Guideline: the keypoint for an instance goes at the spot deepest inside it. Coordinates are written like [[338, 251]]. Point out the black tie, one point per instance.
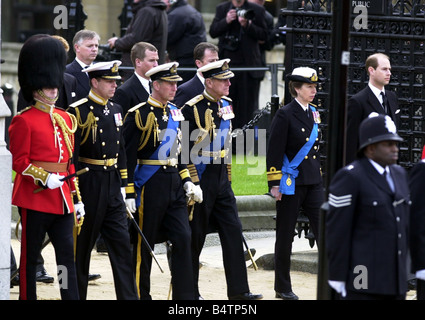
[[389, 180], [150, 87], [308, 114], [384, 102]]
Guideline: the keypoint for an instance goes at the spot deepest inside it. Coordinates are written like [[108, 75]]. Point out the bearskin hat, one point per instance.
[[42, 62]]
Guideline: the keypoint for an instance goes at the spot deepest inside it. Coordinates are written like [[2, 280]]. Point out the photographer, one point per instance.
[[240, 26]]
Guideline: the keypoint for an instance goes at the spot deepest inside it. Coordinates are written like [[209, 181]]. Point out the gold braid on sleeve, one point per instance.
[[151, 123], [90, 123]]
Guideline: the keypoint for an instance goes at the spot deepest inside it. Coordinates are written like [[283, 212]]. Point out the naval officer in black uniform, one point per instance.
[[368, 219], [209, 116], [158, 183], [293, 170], [99, 145]]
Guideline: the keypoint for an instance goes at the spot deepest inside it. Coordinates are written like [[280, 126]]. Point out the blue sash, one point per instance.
[[289, 169], [144, 172], [224, 130]]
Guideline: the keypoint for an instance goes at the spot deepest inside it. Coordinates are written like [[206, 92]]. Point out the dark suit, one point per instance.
[[245, 87], [130, 93], [67, 94], [83, 81], [359, 107], [188, 90], [289, 131], [367, 228], [417, 224]]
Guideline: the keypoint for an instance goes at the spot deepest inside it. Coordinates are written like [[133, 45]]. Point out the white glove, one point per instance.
[[53, 181], [338, 286], [197, 194], [79, 209], [420, 274], [124, 195], [131, 204]]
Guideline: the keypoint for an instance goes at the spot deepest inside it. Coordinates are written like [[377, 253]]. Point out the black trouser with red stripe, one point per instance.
[[59, 229]]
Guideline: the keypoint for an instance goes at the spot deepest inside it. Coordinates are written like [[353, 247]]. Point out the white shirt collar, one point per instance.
[[379, 168], [144, 82], [81, 63], [201, 78], [304, 107], [376, 91]]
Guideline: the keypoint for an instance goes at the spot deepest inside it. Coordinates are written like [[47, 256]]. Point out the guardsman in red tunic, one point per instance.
[[42, 144]]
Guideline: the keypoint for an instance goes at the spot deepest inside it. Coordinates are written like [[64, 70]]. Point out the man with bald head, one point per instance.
[[373, 98]]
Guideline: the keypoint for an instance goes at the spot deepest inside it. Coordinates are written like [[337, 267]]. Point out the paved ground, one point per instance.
[[212, 281]]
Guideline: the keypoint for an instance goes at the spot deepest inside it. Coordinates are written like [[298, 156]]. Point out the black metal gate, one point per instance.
[[396, 28]]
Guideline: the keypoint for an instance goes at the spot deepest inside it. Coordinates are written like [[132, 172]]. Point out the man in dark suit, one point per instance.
[[86, 45], [417, 227], [136, 89], [368, 218], [239, 40], [203, 54], [369, 100]]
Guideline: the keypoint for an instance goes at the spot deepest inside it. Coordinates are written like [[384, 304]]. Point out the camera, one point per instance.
[[247, 14]]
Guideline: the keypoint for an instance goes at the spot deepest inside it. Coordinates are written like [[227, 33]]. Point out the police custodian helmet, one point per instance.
[[377, 128], [41, 64]]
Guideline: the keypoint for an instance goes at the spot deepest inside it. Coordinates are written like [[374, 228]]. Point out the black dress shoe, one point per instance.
[[246, 296], [94, 276], [43, 276], [287, 295]]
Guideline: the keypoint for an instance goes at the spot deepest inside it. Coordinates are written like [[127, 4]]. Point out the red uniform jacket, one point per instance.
[[33, 138]]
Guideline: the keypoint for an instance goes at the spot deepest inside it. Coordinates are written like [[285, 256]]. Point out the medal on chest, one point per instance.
[[316, 117], [106, 110], [226, 113], [177, 115], [118, 119]]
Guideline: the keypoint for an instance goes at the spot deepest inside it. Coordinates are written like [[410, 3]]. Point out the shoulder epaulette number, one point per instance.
[[78, 103]]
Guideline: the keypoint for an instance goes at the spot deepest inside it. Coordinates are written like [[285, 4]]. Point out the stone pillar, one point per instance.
[[5, 197]]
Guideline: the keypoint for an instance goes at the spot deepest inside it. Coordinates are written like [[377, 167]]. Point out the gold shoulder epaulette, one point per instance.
[[23, 110], [137, 106], [195, 100], [227, 98], [79, 102]]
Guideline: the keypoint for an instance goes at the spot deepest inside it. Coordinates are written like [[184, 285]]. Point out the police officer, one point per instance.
[[209, 116], [368, 218], [100, 147], [157, 182], [41, 143], [293, 170]]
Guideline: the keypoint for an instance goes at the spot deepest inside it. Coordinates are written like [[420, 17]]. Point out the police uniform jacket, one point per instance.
[[359, 107], [417, 216], [290, 130], [143, 126], [99, 140], [39, 138], [367, 228], [195, 111]]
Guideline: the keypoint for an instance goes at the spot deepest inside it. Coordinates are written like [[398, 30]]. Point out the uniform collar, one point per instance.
[[152, 101], [98, 99], [44, 107], [209, 97]]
